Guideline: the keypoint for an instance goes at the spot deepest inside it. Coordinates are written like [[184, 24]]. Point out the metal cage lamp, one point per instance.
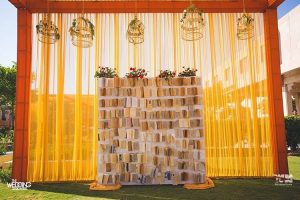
[[47, 31], [245, 27], [192, 24], [82, 32], [135, 31]]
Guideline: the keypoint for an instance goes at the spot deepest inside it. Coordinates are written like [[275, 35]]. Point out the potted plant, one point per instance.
[[135, 74], [187, 72], [163, 77], [104, 73], [166, 74]]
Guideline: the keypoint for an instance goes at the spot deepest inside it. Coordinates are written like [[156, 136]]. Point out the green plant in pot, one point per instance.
[[136, 73], [166, 74], [187, 72], [106, 72]]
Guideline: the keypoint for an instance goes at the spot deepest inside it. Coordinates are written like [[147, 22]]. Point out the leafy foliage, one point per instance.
[[106, 72], [2, 149], [87, 23], [48, 28], [187, 72], [292, 127], [245, 19], [5, 175], [192, 9], [6, 140], [136, 73], [6, 135], [167, 74], [8, 85]]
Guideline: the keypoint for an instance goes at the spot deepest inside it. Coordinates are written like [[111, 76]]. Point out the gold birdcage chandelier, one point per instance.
[[135, 31], [47, 31], [245, 25], [82, 32], [192, 24]]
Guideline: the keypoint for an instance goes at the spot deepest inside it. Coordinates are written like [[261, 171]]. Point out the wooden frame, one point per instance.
[[151, 6], [275, 91], [274, 3], [26, 7], [20, 155]]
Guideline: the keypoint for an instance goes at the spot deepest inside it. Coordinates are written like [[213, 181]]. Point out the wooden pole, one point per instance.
[[20, 155], [275, 91]]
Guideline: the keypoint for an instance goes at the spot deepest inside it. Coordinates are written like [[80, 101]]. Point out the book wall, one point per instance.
[[150, 131]]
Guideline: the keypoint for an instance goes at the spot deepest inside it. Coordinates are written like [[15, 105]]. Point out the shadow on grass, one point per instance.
[[225, 189], [125, 193], [297, 154]]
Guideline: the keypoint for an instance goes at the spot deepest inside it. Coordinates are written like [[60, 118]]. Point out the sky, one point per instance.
[[8, 28]]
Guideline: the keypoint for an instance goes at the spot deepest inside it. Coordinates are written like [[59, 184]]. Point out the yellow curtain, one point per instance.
[[63, 109], [63, 129], [237, 126]]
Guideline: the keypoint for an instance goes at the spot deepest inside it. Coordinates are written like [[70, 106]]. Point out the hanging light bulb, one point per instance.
[[245, 25], [135, 31], [82, 32], [47, 31], [192, 24]]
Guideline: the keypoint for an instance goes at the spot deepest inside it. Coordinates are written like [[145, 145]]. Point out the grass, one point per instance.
[[294, 166], [225, 189]]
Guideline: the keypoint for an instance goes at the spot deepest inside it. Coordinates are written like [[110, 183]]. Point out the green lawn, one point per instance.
[[225, 189], [294, 166]]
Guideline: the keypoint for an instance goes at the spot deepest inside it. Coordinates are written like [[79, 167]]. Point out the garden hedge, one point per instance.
[[292, 127]]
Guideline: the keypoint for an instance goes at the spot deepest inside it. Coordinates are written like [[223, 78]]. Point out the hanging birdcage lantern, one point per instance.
[[47, 31], [192, 24], [82, 32], [245, 27], [135, 31]]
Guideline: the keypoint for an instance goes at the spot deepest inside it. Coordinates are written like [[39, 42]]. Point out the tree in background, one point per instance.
[[8, 87]]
